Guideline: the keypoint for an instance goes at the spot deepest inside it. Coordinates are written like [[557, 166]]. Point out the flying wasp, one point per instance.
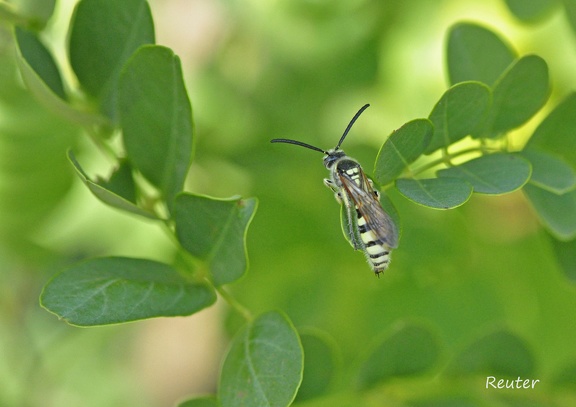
[[366, 225]]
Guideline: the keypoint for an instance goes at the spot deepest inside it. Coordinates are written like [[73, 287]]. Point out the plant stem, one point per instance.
[[446, 157], [233, 302]]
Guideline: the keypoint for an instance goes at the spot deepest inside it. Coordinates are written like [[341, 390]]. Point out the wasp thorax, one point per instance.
[[332, 156]]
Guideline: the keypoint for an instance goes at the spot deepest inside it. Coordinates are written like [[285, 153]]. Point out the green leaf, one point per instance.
[[550, 172], [500, 353], [44, 92], [401, 149], [556, 132], [458, 113], [495, 174], [104, 34], [409, 351], [513, 102], [476, 54], [40, 60], [531, 10], [437, 193], [215, 230], [263, 366], [322, 365], [556, 212], [118, 289], [107, 195], [156, 118], [208, 401]]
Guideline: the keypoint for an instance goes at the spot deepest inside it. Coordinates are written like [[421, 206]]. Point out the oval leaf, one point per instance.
[[550, 172], [105, 194], [556, 212], [476, 54], [111, 290], [104, 34], [156, 118], [500, 353], [458, 113], [401, 149], [38, 84], [556, 132], [492, 174], [215, 231], [437, 193], [409, 351], [513, 102], [263, 366], [40, 60]]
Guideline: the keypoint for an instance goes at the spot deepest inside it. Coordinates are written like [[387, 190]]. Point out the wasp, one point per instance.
[[365, 224]]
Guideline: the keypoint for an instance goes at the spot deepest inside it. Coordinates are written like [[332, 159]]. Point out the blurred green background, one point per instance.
[[257, 70]]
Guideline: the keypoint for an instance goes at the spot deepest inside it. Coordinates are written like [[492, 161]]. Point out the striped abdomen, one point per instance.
[[376, 251]]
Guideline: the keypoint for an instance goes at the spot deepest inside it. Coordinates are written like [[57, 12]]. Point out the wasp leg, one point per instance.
[[337, 192]]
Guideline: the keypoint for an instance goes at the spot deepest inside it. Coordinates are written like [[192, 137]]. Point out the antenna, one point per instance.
[[298, 143], [311, 147], [356, 116]]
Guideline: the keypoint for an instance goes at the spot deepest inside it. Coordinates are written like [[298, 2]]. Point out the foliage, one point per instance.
[[129, 95]]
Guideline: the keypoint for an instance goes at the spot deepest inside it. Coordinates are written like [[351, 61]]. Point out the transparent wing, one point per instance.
[[369, 207]]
